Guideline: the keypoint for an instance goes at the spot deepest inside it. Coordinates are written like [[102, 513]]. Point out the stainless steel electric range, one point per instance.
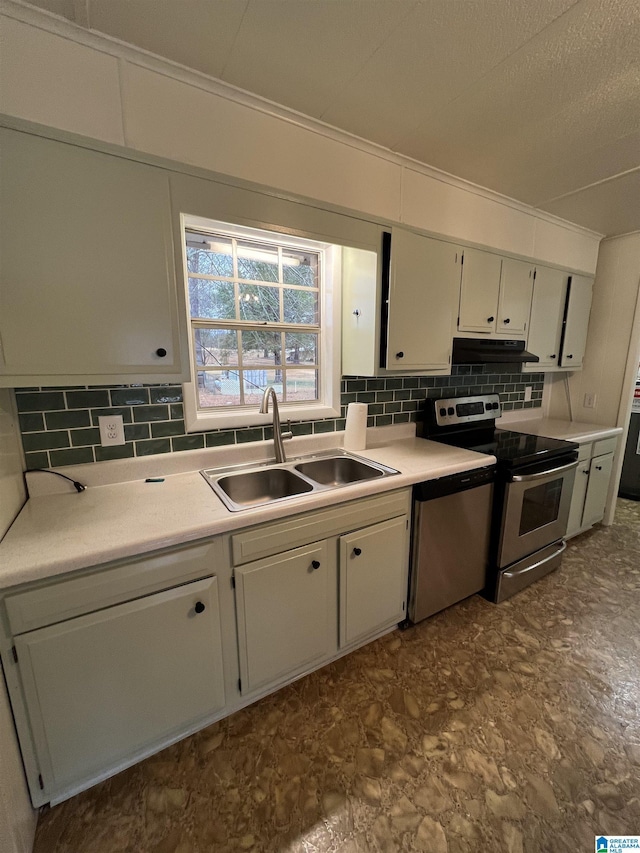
[[532, 493]]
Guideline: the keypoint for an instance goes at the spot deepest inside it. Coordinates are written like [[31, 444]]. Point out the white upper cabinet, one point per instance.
[[577, 312], [495, 295], [547, 312], [399, 307], [479, 291], [87, 283], [514, 303], [423, 285]]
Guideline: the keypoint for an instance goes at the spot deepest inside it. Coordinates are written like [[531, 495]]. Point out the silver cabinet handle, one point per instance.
[[526, 478]]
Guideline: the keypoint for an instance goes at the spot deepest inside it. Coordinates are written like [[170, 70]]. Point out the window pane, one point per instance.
[[300, 306], [302, 385], [259, 303], [257, 261], [301, 348], [262, 348], [216, 347], [218, 388], [299, 268], [212, 299], [214, 258], [255, 381]]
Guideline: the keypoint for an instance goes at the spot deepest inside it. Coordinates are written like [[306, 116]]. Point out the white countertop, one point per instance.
[[563, 430], [61, 531]]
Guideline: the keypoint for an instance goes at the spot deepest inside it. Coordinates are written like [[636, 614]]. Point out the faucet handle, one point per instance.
[[288, 433]]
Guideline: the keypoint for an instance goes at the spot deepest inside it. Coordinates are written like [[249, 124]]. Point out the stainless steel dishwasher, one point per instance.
[[450, 550]]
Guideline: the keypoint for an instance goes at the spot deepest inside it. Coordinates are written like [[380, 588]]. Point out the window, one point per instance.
[[260, 308]]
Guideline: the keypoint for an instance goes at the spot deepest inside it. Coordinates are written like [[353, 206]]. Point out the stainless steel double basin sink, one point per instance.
[[249, 486]]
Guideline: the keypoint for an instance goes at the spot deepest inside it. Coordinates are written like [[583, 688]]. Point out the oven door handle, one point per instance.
[[527, 478], [514, 574]]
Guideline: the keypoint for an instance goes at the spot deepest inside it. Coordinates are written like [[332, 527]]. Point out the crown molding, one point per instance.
[[56, 25]]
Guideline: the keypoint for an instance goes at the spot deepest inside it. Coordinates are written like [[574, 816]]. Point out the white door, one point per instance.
[[574, 525], [547, 314], [577, 321], [282, 608], [425, 276], [599, 476], [479, 291], [100, 687], [373, 579], [514, 306]]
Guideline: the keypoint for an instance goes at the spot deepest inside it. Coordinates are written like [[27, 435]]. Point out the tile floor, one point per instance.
[[513, 728]]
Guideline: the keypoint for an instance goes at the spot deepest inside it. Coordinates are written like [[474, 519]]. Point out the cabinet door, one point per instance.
[[283, 615], [425, 276], [576, 321], [479, 291], [514, 306], [87, 285], [373, 579], [597, 490], [547, 313], [101, 687], [574, 525]]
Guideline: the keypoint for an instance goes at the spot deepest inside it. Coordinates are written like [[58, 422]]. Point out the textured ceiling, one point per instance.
[[536, 99]]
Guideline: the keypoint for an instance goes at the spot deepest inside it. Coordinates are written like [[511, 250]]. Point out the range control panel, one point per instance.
[[464, 410]]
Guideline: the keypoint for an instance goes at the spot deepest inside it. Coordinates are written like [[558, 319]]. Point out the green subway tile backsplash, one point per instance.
[[59, 427]]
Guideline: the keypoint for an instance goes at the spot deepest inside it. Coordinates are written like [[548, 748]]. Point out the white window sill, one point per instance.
[[235, 419]]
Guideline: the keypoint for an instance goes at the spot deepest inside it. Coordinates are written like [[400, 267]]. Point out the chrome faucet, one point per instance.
[[278, 436]]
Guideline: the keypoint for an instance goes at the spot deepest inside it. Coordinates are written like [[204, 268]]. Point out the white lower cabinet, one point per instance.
[[597, 490], [591, 488], [373, 579], [576, 509], [107, 665], [102, 686], [284, 623]]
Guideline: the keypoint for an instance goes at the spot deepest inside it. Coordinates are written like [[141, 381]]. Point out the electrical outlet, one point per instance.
[[590, 400], [527, 393], [111, 430]]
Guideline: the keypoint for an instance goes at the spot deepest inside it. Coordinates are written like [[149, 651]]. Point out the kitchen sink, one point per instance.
[[247, 486], [255, 488], [338, 470]]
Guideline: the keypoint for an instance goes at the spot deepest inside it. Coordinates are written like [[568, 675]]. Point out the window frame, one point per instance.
[[328, 405]]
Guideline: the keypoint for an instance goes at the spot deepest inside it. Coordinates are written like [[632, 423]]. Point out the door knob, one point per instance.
[[161, 352], [199, 607], [357, 551], [569, 356], [400, 355], [315, 564], [507, 320], [490, 319], [553, 356]]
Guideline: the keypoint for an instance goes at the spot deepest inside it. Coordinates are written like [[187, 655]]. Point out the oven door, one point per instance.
[[535, 510]]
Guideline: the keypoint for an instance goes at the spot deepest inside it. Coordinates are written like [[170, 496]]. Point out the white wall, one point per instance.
[[17, 818], [613, 350], [60, 75], [611, 335]]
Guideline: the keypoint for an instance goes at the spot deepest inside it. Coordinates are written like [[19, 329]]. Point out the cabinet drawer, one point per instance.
[[313, 526], [103, 587], [605, 445]]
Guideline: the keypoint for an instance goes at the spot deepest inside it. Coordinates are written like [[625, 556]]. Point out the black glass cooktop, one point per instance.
[[510, 448]]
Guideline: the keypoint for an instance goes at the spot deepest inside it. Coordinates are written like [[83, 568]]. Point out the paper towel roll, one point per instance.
[[355, 431]]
